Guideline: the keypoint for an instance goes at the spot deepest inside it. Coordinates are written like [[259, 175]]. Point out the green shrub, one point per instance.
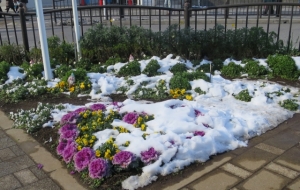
[[199, 90], [12, 54], [204, 68], [33, 71], [98, 69], [83, 63], [283, 66], [195, 75], [217, 64], [112, 61], [131, 69], [61, 71], [179, 81], [79, 73], [289, 104], [232, 70], [255, 70], [178, 68], [151, 68], [4, 69], [63, 52], [243, 96], [35, 55]]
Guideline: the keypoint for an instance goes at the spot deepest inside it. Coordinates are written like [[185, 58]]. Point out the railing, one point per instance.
[[59, 22]]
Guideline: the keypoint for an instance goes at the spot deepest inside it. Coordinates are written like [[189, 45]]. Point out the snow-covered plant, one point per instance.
[[33, 119]]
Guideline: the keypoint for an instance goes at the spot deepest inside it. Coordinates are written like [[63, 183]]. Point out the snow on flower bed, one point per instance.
[[166, 136], [179, 132]]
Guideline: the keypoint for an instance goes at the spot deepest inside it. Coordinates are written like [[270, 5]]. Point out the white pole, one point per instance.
[[76, 27], [104, 3], [43, 39]]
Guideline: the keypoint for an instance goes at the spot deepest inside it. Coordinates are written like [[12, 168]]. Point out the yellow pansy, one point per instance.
[[98, 153], [143, 127]]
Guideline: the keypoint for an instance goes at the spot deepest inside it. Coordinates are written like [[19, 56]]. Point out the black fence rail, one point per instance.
[[58, 4], [59, 22]]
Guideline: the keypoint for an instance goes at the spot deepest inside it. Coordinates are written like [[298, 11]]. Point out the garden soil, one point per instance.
[[114, 183]]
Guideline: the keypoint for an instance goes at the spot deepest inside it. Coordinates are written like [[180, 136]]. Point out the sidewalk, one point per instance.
[[20, 155], [271, 161]]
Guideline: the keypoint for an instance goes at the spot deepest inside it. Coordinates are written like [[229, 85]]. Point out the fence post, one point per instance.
[[227, 2], [187, 13], [23, 27]]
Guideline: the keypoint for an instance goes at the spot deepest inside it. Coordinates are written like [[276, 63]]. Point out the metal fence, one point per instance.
[[59, 22]]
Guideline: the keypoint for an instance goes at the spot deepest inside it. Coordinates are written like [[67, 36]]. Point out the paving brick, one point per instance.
[[17, 150], [208, 167], [6, 142], [6, 154], [39, 173], [284, 140], [269, 148], [294, 185], [9, 182], [2, 134], [264, 179], [253, 159], [290, 159], [212, 181], [44, 184], [282, 170], [25, 176], [15, 164], [237, 171]]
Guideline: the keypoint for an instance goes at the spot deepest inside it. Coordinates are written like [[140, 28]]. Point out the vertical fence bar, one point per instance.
[[15, 31], [290, 30], [7, 34], [33, 31], [52, 24], [23, 27]]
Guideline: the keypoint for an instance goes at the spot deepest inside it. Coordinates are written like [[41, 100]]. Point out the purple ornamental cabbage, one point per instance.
[[123, 159], [199, 133], [83, 158], [66, 149], [68, 131], [149, 155], [130, 117], [96, 107], [98, 168], [79, 110], [69, 118]]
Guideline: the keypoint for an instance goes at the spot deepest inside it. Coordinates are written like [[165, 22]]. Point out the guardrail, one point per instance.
[[59, 22]]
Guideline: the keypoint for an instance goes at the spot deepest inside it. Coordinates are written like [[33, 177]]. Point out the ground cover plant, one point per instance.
[[168, 114]]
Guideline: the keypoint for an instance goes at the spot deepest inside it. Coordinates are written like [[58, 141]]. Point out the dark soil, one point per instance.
[[112, 183]]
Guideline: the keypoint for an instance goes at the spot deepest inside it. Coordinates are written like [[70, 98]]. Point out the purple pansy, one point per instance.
[[199, 133], [83, 158], [98, 168], [149, 155], [96, 107], [123, 159], [130, 117]]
